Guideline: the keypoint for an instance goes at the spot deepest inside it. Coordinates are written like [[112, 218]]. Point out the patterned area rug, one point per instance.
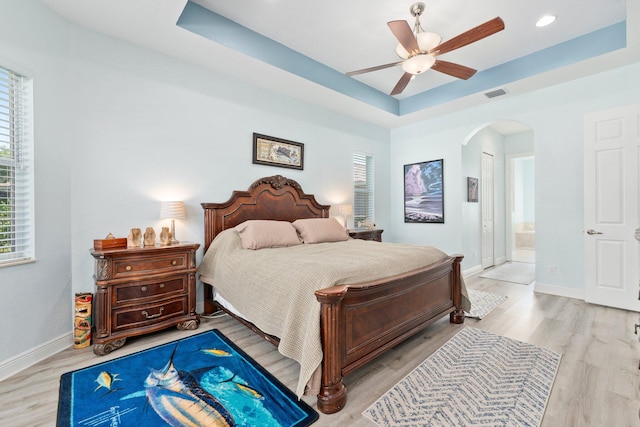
[[475, 379], [200, 380], [516, 272], [483, 303]]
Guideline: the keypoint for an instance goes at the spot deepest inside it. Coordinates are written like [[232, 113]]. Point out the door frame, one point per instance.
[[484, 204]]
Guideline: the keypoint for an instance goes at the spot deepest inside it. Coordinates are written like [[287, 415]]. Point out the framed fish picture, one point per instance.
[[201, 380], [424, 192], [271, 151]]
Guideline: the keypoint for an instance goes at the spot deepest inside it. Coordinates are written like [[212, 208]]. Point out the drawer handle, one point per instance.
[[153, 316], [161, 285], [174, 262], [143, 289], [128, 268]]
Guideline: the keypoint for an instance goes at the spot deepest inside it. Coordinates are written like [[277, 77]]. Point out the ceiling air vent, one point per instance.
[[495, 93]]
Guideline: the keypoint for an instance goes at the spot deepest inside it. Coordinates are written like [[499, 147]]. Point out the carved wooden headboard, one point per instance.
[[272, 197]]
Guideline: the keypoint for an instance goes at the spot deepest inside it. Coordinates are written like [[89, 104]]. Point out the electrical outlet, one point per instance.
[[551, 269]]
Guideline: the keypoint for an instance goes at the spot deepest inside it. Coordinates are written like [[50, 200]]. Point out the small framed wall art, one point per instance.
[[271, 151], [424, 192], [472, 189]]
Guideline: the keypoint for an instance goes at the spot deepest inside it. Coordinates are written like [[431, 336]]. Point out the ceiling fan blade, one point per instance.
[[455, 70], [471, 36], [405, 36], [402, 83], [376, 68]]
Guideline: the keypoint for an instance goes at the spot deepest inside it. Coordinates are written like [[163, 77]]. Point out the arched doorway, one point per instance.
[[500, 226]]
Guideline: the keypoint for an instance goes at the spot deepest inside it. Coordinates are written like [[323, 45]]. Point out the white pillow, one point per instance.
[[320, 230], [259, 234]]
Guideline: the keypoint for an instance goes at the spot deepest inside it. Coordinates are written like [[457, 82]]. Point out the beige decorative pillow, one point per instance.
[[259, 234], [320, 230]]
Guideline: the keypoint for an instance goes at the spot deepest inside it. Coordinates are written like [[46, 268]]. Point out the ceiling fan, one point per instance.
[[419, 49]]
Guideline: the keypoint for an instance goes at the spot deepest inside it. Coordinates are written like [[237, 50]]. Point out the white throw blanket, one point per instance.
[[274, 288]]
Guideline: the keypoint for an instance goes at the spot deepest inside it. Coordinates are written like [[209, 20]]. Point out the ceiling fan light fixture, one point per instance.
[[418, 64], [401, 51], [427, 40]]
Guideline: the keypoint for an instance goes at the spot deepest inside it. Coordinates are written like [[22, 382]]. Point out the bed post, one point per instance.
[[333, 393], [457, 316]]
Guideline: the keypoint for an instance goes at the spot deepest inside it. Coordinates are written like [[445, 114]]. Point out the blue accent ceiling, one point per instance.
[[221, 30]]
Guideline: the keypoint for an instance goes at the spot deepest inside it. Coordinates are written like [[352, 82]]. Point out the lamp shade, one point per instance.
[[418, 64], [345, 209], [172, 210], [426, 42]]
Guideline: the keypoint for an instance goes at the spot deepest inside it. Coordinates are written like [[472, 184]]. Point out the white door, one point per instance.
[[611, 160], [486, 194]]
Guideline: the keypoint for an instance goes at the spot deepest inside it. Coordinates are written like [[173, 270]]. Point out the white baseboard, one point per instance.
[[560, 291], [478, 268], [471, 271], [30, 357]]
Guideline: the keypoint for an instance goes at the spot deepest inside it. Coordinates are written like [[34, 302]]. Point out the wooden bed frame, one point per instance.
[[357, 323]]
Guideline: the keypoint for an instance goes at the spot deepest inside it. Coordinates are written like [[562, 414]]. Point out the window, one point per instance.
[[16, 169], [363, 203]]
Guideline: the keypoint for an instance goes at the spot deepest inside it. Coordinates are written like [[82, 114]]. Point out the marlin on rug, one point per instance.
[[203, 380], [475, 379]]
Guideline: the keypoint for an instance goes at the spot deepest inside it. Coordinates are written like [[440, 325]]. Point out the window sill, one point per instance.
[[17, 262]]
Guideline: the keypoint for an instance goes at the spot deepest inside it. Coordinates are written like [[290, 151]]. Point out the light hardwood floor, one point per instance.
[[598, 383]]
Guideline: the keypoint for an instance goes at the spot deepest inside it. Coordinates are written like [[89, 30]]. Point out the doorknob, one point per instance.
[[591, 232]]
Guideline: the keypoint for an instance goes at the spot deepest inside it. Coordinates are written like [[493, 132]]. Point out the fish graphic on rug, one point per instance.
[[209, 396], [202, 380], [179, 400], [106, 380], [216, 352]]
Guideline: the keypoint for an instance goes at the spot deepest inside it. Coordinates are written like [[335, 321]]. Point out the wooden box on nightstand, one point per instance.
[[142, 290], [366, 234]]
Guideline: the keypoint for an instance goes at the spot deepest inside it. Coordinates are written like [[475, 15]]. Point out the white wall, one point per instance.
[[148, 128], [36, 299], [556, 116]]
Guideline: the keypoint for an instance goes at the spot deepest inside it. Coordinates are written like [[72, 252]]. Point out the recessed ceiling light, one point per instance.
[[545, 20]]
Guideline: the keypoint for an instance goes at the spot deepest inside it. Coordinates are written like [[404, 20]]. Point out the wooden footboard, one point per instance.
[[358, 323]]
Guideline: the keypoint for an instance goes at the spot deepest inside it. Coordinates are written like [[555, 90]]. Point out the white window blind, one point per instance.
[[363, 203], [16, 168]]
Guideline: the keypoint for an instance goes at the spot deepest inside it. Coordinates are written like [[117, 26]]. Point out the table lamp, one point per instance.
[[345, 210], [172, 210]]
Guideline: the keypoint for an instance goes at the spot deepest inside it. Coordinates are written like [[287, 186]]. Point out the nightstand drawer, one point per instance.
[[136, 317], [157, 264], [146, 289]]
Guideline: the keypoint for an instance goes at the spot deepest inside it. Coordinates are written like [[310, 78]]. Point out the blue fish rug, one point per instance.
[[202, 380]]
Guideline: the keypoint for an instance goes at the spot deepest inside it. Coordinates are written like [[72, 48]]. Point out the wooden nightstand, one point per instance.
[[142, 290], [364, 234]]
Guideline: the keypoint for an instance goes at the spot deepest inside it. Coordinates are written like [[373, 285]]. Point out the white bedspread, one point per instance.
[[274, 288]]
